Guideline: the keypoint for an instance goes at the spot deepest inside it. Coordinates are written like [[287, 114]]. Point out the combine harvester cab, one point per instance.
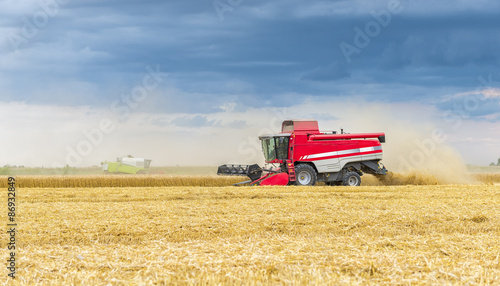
[[127, 165], [306, 156]]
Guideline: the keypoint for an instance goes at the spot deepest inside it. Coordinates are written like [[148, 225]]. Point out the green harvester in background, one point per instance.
[[127, 165]]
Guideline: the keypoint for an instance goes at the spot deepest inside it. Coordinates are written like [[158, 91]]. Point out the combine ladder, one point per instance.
[[291, 171]]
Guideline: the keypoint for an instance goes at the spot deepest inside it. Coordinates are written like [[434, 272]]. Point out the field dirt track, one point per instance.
[[439, 234]]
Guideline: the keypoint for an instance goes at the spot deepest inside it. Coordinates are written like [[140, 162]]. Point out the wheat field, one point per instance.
[[99, 181], [392, 235]]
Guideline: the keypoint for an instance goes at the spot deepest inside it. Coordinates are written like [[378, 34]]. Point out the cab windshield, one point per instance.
[[275, 148]]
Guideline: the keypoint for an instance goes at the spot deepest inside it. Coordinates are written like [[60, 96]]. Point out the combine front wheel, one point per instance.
[[306, 175]]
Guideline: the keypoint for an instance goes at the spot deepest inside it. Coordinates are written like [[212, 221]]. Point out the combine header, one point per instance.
[[306, 156]]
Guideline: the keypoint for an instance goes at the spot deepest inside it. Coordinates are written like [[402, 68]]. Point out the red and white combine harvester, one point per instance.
[[306, 156]]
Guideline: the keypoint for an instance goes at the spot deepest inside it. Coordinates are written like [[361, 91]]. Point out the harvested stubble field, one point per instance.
[[259, 235]]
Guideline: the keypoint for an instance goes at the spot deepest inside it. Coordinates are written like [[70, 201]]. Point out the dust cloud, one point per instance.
[[416, 151]]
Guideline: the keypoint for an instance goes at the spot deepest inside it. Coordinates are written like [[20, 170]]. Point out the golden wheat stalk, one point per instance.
[[96, 181]]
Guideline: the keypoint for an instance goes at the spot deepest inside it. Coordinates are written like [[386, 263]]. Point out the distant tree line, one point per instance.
[[493, 164]]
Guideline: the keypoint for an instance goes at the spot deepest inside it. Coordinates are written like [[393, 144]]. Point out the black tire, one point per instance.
[[351, 179], [305, 175]]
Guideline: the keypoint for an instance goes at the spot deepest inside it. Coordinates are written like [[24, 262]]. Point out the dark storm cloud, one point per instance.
[[472, 105], [90, 52], [331, 72]]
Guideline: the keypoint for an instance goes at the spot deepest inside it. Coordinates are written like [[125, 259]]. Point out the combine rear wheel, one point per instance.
[[306, 175], [351, 179]]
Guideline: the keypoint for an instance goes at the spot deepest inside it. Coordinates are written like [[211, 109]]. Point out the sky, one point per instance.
[[196, 82]]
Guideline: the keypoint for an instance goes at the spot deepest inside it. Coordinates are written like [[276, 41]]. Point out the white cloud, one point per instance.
[[14, 7], [228, 106], [488, 93], [41, 135], [491, 92]]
